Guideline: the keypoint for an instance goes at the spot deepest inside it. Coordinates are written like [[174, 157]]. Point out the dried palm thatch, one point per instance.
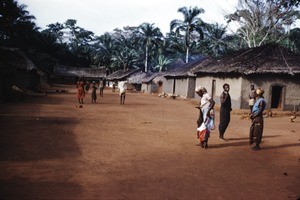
[[66, 71], [15, 58], [136, 78], [184, 70], [267, 59], [121, 74]]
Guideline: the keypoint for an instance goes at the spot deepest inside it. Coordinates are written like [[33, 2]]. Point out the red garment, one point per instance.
[[80, 91]]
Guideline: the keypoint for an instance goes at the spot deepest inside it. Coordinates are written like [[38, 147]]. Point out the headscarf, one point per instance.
[[200, 88], [259, 91]]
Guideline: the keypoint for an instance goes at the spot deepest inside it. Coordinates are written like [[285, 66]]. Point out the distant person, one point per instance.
[[86, 86], [94, 95], [204, 121], [80, 92], [114, 87], [225, 110], [257, 126], [101, 87], [122, 85], [252, 96]]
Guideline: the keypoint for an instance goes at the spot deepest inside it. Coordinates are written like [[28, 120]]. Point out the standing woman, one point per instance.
[[224, 111], [80, 92], [206, 105], [257, 126]]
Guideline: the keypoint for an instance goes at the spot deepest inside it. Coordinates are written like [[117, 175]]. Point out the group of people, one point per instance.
[[83, 87], [205, 122]]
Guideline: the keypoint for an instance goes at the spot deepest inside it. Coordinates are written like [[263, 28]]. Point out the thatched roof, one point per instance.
[[265, 59], [136, 78], [185, 69], [121, 74], [66, 71], [15, 58], [149, 77]]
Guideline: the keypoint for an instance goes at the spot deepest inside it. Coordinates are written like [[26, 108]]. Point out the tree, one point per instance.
[[294, 38], [215, 37], [190, 24], [124, 54], [16, 24], [148, 35], [262, 21]]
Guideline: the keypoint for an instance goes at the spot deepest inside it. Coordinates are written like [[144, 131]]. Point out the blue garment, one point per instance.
[[256, 108]]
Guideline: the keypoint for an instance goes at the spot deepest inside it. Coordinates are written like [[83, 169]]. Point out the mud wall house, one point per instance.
[[180, 81], [135, 81], [150, 86], [67, 74], [153, 83], [16, 70], [120, 75], [271, 67]]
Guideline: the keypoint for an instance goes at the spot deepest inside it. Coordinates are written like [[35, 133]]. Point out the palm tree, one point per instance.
[[190, 24], [149, 35], [17, 26], [216, 34], [125, 54]]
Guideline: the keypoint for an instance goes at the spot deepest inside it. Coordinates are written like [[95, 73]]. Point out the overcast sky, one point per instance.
[[102, 16]]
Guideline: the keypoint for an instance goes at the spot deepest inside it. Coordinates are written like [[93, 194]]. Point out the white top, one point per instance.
[[204, 102], [122, 85]]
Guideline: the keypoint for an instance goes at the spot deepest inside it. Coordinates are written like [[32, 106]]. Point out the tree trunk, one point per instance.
[[187, 55], [146, 60]]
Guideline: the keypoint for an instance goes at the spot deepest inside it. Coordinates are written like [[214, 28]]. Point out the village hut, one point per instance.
[[120, 75], [135, 81], [180, 81], [68, 74], [18, 74], [272, 67], [153, 83], [149, 86]]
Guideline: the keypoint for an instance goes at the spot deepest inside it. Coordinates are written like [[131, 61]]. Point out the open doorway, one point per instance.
[[277, 97], [160, 87], [213, 88]]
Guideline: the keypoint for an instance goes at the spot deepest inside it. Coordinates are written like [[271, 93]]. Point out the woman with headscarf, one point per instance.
[[257, 126], [204, 121]]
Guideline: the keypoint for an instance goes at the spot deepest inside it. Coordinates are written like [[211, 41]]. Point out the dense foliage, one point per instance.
[[144, 46]]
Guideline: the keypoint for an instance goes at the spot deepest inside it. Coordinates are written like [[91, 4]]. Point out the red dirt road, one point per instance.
[[147, 149]]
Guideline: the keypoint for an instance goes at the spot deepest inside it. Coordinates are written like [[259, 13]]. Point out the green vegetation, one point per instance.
[[144, 46]]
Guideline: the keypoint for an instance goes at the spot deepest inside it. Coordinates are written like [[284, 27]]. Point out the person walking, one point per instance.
[[101, 87], [252, 96], [204, 122], [225, 110], [94, 95], [257, 126], [122, 85]]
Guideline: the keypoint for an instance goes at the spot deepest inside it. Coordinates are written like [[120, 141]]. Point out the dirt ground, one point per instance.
[[146, 149]]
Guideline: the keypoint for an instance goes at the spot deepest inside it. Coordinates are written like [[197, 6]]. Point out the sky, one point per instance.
[[100, 16]]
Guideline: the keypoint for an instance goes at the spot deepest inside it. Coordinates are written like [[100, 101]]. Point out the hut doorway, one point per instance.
[[213, 88], [174, 86], [160, 87], [277, 97]]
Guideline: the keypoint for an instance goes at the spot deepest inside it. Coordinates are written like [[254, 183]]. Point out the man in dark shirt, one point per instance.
[[225, 110]]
